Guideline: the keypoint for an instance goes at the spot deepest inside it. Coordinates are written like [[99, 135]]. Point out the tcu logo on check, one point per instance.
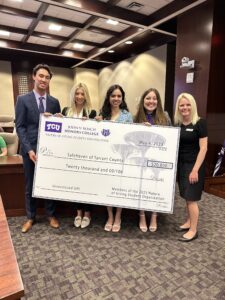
[[53, 126], [105, 132]]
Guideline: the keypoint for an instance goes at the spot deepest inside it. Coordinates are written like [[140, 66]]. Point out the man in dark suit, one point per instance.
[[28, 110]]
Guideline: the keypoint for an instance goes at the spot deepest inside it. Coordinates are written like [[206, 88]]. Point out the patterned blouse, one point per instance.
[[124, 117]]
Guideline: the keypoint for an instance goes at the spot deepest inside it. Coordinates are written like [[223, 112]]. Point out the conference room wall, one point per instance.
[[136, 75], [90, 78], [61, 84], [6, 89]]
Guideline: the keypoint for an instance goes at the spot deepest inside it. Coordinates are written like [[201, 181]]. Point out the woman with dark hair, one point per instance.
[[150, 112], [115, 109], [80, 107]]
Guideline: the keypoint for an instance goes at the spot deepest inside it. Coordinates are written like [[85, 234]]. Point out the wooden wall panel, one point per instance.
[[194, 33], [170, 74], [201, 36], [216, 90]]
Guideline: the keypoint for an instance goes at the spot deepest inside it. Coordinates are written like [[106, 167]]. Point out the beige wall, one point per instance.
[[60, 87], [136, 75], [6, 89], [90, 78], [61, 84]]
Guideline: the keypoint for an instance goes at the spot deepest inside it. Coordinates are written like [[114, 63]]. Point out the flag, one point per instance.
[[219, 160]]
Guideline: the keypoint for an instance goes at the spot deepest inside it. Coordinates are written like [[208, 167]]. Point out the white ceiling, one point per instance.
[[28, 5], [81, 21], [66, 14], [14, 21]]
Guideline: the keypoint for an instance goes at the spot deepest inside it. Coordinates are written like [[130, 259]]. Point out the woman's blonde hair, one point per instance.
[[87, 103], [178, 119]]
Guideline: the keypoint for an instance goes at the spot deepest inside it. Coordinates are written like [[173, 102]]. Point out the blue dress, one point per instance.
[[124, 117]]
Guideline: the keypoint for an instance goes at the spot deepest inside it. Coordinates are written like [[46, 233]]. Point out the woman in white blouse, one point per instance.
[[80, 108]]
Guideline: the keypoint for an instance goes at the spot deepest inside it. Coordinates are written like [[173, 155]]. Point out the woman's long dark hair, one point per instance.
[[158, 114], [106, 110]]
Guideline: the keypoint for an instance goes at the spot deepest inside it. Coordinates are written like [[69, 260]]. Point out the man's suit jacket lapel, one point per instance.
[[34, 104], [48, 103]]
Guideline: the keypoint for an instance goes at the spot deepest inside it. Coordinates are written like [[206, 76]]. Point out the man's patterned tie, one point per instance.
[[41, 105]]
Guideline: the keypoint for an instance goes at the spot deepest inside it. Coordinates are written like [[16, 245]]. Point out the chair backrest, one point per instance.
[[7, 121], [12, 142]]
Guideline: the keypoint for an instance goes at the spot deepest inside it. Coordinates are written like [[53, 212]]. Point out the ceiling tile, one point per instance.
[[147, 7], [93, 36], [15, 37], [28, 5], [42, 41], [86, 48], [67, 14], [14, 21], [102, 24], [43, 27]]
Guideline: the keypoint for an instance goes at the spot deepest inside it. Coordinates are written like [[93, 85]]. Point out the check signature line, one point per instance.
[[138, 198], [65, 191]]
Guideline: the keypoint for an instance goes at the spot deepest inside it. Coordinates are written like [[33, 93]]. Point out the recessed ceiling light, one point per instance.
[[128, 42], [111, 51], [4, 33], [78, 46], [67, 53], [74, 3], [55, 27], [17, 0], [112, 22]]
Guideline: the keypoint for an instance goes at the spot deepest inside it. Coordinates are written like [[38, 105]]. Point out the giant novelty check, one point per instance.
[[107, 163]]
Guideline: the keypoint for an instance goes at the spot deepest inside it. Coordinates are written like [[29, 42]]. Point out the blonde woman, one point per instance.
[[80, 107], [80, 103], [192, 152], [150, 112]]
